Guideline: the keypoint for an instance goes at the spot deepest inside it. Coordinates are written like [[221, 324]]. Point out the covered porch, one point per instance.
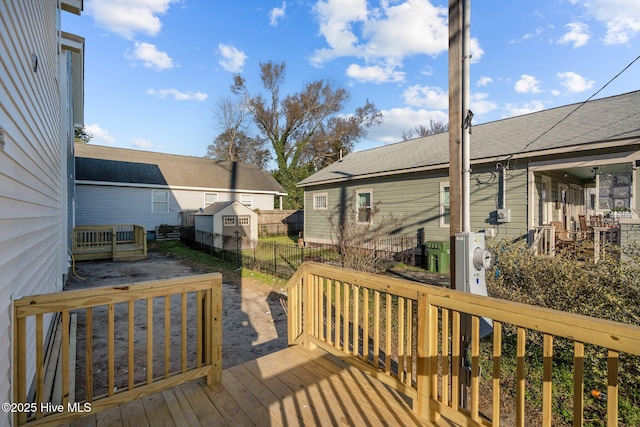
[[591, 202]]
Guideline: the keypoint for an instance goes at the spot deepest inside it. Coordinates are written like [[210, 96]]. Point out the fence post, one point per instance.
[[275, 260]]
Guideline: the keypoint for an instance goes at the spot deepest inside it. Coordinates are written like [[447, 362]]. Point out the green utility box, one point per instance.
[[438, 256]]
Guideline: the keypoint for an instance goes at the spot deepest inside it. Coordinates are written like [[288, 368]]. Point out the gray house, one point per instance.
[[530, 170], [121, 186]]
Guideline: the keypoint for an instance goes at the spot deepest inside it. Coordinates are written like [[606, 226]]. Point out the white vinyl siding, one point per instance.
[[33, 187]]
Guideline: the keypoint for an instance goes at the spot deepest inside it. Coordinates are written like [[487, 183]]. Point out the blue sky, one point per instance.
[[155, 69]]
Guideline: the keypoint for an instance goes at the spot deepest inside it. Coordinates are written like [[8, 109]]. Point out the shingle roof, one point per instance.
[[108, 164], [216, 207], [607, 120]]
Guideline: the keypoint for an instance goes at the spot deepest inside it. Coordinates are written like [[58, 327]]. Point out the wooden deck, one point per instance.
[[124, 242], [292, 387]]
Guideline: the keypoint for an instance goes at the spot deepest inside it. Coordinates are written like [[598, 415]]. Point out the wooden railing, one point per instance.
[[409, 336], [194, 303], [544, 240], [100, 241]]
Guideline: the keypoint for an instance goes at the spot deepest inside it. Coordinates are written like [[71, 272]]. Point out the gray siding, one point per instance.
[[31, 185], [414, 199]]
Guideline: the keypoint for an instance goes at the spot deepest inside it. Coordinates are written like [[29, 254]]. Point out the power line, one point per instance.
[[579, 106]]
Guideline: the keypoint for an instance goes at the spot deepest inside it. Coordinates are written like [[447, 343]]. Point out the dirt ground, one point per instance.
[[254, 322]]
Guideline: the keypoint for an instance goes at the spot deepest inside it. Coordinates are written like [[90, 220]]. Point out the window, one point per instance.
[[246, 199], [363, 199], [210, 198], [320, 201], [445, 204], [243, 220], [160, 201], [228, 221]]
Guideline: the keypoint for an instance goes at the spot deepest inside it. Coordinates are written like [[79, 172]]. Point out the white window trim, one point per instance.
[[205, 198], [326, 201], [154, 201], [363, 191], [244, 220], [224, 221], [444, 185]]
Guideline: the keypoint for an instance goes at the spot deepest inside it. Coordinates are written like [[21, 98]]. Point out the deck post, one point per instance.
[[216, 332], [307, 314], [427, 360], [113, 242]]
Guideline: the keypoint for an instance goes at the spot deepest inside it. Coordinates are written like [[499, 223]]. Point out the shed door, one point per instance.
[[239, 226]]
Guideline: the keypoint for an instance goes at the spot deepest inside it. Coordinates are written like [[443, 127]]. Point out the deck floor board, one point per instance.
[[292, 387]]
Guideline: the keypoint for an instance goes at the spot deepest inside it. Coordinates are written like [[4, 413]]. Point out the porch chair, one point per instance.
[[566, 238], [584, 228]]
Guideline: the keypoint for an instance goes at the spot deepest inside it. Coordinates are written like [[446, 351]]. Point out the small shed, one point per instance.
[[227, 225]]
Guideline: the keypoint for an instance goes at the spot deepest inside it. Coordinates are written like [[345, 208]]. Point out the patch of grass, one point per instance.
[[281, 239], [203, 261]]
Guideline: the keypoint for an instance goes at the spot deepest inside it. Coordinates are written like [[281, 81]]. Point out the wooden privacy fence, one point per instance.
[[117, 242], [409, 336], [131, 315]]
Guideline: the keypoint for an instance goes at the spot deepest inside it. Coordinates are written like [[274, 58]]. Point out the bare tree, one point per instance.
[[304, 129], [234, 142], [359, 233], [419, 131]]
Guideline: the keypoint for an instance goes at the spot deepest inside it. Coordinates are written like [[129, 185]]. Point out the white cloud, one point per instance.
[[426, 97], [385, 35], [276, 14], [621, 18], [99, 135], [151, 57], [527, 84], [480, 104], [578, 34], [232, 59], [141, 143], [526, 108], [574, 82], [399, 120], [484, 81], [376, 74], [128, 17], [178, 95]]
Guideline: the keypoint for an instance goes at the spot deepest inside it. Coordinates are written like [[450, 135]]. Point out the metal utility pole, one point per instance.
[[455, 128], [467, 116]]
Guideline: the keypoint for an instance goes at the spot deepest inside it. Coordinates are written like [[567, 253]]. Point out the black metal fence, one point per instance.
[[282, 260]]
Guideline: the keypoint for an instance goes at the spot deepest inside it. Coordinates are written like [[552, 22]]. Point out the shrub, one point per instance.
[[609, 290]]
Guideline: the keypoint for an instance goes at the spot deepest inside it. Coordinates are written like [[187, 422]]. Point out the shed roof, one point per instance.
[[216, 207], [109, 164], [614, 121]]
